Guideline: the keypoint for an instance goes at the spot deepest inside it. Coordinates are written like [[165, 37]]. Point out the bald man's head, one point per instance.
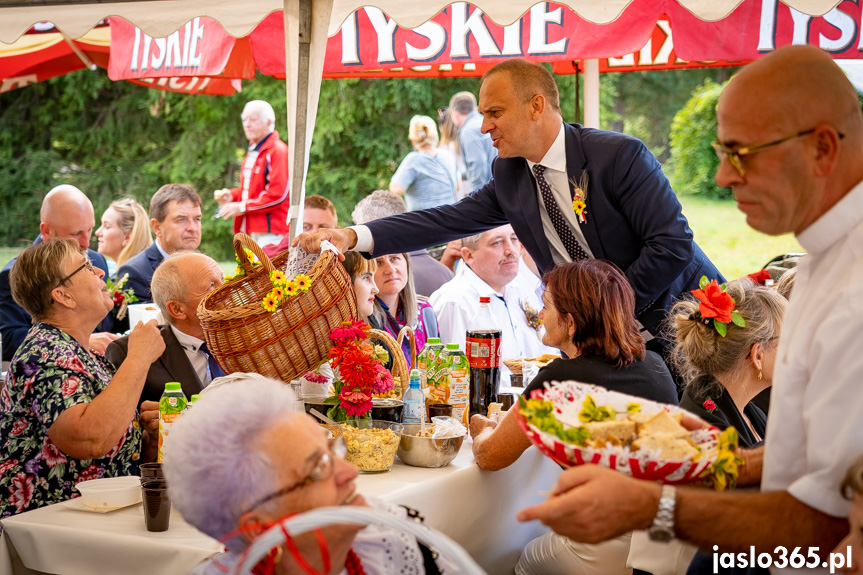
[[795, 88], [67, 213], [792, 131]]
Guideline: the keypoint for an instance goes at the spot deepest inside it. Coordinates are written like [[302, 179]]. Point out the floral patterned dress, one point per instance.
[[50, 373]]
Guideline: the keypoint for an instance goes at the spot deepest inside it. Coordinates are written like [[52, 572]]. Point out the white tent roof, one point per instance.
[[161, 17]]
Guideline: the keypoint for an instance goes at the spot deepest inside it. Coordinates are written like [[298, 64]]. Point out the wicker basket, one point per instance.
[[401, 372], [407, 331], [283, 344]]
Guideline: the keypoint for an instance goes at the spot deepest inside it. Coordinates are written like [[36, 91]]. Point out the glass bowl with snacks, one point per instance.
[[372, 444]]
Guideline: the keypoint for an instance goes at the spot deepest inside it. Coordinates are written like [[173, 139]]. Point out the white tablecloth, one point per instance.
[[473, 507]]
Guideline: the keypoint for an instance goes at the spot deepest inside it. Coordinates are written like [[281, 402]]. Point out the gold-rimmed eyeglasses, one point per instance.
[[87, 264], [322, 471], [734, 155]]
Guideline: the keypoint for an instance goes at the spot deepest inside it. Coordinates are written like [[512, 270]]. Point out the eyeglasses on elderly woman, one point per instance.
[[322, 471], [87, 264]]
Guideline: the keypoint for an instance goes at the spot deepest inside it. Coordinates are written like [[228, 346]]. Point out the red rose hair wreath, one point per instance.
[[716, 307]]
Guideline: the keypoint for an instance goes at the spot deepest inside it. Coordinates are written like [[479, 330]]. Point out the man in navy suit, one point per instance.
[[66, 213], [175, 216], [630, 215]]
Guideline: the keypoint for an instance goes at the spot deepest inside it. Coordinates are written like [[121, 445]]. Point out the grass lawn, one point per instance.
[[720, 229], [735, 248]]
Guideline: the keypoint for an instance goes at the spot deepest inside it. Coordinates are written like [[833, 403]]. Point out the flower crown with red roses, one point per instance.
[[715, 307]]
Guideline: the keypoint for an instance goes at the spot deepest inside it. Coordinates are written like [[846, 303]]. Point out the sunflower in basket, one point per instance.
[[284, 288], [359, 372]]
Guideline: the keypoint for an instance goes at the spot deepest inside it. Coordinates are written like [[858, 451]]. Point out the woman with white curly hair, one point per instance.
[[241, 460]]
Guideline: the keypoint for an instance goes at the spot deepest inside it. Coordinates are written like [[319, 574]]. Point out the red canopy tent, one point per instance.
[[463, 41], [44, 52]]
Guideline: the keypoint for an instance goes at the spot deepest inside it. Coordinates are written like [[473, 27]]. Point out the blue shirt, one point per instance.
[[477, 151], [429, 180]]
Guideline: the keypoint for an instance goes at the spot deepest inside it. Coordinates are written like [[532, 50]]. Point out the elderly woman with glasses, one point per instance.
[[61, 421], [241, 460]]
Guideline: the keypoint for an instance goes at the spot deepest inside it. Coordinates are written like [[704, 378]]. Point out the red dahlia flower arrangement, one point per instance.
[[718, 305], [359, 372]]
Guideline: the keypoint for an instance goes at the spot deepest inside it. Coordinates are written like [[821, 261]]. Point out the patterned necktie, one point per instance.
[[573, 248], [215, 370]]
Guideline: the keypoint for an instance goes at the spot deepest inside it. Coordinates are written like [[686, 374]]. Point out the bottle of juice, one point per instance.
[[455, 382], [414, 409], [426, 361], [195, 397], [171, 406]]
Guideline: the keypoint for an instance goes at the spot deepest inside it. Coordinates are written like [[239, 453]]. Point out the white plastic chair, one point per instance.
[[325, 516]]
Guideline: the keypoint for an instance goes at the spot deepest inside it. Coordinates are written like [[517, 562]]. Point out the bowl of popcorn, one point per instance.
[[372, 444]]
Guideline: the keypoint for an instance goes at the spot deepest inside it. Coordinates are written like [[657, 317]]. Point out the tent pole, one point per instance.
[[591, 93], [577, 69], [297, 107]]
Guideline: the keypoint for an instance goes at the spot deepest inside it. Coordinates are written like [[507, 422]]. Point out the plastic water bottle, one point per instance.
[[171, 406], [415, 407]]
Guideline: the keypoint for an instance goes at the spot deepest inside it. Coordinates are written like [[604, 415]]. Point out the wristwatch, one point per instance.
[[662, 529]]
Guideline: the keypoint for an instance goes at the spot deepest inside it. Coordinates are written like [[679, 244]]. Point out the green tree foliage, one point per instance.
[[642, 104], [111, 139], [693, 161], [114, 139], [361, 133]]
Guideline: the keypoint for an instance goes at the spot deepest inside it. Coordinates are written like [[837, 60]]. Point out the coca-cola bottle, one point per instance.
[[483, 353]]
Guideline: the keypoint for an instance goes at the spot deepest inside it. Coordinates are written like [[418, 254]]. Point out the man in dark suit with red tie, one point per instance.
[[179, 284], [569, 192]]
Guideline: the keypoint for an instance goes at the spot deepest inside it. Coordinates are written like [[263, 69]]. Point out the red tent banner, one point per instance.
[[200, 48], [462, 41], [44, 54]]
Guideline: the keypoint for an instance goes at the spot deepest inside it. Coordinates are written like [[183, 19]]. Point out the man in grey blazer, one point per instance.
[[179, 284]]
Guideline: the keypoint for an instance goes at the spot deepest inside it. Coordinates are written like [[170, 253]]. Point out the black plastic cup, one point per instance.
[[157, 506], [150, 471], [506, 400], [439, 409]]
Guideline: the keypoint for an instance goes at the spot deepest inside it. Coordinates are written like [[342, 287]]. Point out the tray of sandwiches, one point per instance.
[[576, 423], [540, 361]]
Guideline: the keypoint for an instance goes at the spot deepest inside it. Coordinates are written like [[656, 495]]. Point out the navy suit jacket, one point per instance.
[[15, 322], [140, 268], [172, 365], [633, 219]]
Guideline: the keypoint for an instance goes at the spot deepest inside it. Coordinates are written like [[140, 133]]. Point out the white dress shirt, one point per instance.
[[456, 302], [198, 359], [814, 431], [555, 174], [165, 255]]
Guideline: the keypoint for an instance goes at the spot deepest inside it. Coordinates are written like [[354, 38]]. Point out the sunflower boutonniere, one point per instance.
[[531, 316], [579, 197]]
